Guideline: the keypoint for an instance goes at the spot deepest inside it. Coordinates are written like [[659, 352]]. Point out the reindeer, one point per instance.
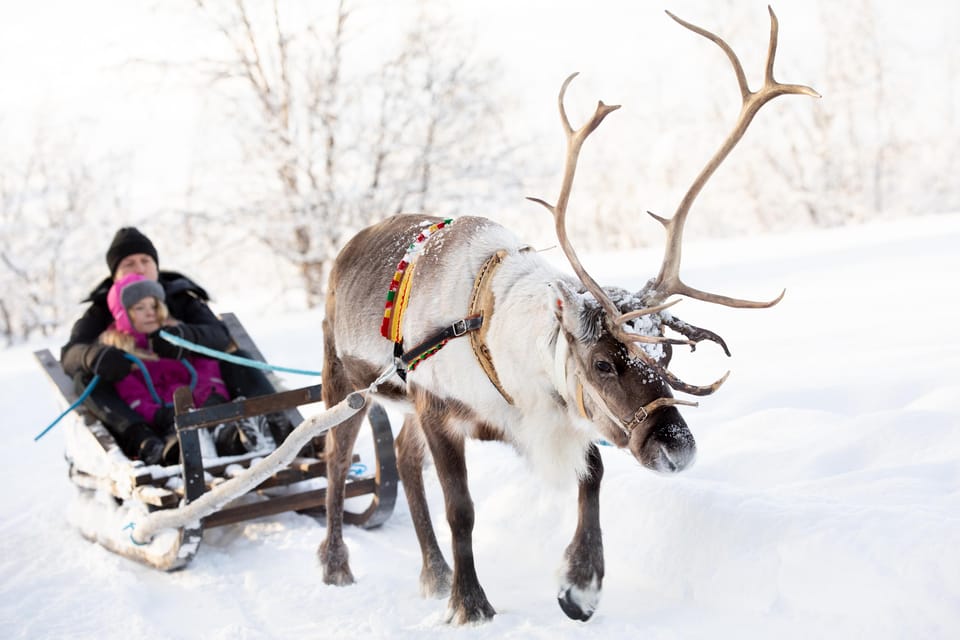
[[530, 356]]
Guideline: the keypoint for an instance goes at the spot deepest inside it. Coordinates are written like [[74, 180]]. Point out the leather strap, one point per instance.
[[482, 304], [437, 340]]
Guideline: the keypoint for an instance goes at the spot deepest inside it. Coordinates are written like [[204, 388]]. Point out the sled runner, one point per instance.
[[114, 492]]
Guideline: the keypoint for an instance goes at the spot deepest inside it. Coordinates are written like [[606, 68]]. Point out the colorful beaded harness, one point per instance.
[[399, 291], [481, 304], [398, 296]]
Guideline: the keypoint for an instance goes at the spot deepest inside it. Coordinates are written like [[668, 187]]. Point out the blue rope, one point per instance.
[[228, 357], [83, 396], [146, 378], [357, 469], [131, 526], [193, 373]]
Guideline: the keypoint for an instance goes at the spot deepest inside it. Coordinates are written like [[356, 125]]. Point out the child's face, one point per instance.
[[143, 315]]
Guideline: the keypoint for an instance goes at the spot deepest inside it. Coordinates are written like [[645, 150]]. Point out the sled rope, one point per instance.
[[130, 527], [83, 396], [229, 357], [143, 530]]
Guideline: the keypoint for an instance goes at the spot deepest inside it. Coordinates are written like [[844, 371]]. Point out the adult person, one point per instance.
[[83, 356]]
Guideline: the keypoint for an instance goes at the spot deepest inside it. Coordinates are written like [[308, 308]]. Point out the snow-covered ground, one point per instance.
[[825, 502]]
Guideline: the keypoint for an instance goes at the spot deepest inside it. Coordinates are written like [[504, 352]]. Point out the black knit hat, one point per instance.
[[127, 242]]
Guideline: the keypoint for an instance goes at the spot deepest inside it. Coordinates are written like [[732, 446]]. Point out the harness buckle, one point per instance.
[[638, 418], [459, 328]]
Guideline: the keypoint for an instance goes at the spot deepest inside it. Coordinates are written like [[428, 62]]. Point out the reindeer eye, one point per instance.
[[604, 367]]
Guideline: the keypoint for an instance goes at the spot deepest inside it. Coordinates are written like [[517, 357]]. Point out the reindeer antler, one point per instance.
[[668, 280], [575, 139]]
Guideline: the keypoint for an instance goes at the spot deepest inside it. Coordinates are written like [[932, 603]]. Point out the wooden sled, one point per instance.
[[114, 491]]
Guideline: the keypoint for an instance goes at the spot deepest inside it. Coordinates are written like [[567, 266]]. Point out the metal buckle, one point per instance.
[[637, 420], [459, 328]]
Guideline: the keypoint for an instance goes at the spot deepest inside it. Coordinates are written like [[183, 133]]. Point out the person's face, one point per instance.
[[143, 315], [139, 263]]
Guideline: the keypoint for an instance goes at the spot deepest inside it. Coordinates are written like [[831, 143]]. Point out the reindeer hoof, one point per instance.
[[577, 603], [338, 578], [336, 565], [436, 582], [471, 611]]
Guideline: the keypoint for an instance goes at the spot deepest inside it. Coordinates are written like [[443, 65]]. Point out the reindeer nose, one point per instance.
[[674, 460], [669, 446]]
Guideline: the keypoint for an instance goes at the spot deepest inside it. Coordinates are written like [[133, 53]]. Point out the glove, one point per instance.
[[110, 363], [166, 349]]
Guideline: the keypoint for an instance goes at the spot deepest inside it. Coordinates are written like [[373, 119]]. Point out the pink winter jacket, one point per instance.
[[166, 374]]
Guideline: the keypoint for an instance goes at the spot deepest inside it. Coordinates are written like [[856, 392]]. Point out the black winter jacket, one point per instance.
[[186, 300]]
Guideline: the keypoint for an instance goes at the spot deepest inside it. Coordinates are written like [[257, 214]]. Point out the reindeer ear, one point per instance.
[[567, 306]]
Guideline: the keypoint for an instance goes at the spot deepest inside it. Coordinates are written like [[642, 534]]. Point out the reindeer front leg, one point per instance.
[[468, 602], [582, 569], [411, 445]]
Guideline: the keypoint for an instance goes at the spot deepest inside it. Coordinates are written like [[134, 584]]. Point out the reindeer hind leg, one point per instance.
[[435, 575], [333, 553]]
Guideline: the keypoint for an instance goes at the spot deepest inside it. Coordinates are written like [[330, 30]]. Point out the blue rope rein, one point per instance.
[[83, 396], [149, 380], [229, 357], [93, 385], [146, 377]]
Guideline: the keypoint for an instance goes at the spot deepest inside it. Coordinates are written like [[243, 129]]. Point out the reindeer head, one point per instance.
[[627, 400], [617, 342]]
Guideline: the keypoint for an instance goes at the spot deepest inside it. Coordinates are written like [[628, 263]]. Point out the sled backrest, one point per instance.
[[62, 381], [242, 340]]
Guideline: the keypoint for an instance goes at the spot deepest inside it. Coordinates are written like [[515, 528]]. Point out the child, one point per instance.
[[138, 310]]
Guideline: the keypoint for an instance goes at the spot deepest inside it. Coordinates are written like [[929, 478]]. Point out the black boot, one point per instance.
[[229, 440], [171, 450], [134, 443], [255, 434], [280, 426], [244, 435], [150, 450]]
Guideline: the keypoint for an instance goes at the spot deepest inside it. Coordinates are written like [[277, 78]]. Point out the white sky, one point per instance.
[[62, 63]]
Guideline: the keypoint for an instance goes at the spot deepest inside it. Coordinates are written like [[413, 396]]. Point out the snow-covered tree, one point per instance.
[[45, 265], [337, 130]]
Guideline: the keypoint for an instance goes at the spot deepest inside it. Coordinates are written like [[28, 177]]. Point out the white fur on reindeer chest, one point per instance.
[[523, 328]]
